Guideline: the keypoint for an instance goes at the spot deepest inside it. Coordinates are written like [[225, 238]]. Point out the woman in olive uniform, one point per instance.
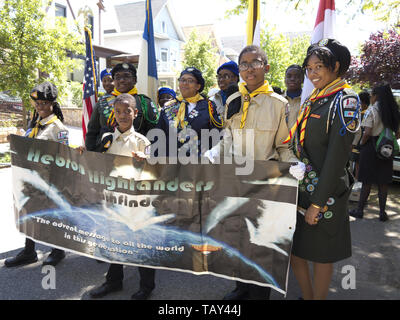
[[45, 125], [323, 135]]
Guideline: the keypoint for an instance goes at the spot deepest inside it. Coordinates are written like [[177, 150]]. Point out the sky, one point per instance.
[[350, 30]]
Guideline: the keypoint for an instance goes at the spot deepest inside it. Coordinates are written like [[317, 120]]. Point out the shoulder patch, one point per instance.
[[350, 103]]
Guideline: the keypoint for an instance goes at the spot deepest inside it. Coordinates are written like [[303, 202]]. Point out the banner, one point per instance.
[[201, 218], [253, 23]]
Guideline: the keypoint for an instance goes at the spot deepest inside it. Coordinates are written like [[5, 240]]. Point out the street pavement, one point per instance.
[[371, 273]]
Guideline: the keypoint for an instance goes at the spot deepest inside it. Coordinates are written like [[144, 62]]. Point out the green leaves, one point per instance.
[[33, 45]]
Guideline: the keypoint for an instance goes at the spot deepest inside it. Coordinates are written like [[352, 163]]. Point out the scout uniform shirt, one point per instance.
[[123, 144], [54, 131], [372, 119], [266, 116], [293, 108]]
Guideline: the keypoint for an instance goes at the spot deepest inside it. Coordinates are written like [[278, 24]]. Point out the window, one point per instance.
[[61, 11], [164, 55], [164, 27]]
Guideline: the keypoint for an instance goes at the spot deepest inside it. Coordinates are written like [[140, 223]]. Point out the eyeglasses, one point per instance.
[[223, 77], [187, 81], [256, 64]]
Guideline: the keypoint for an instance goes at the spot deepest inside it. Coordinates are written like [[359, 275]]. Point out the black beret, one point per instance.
[[195, 73], [123, 67], [339, 51], [44, 91]]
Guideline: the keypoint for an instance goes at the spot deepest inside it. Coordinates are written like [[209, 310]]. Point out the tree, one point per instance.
[[34, 47], [199, 53], [379, 60], [282, 52], [383, 10]]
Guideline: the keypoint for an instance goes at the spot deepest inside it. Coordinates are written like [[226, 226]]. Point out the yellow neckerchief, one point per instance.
[[180, 117], [111, 122], [35, 130], [132, 92], [332, 88], [264, 89]]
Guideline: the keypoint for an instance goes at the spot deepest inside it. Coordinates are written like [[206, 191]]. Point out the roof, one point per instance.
[[130, 16], [234, 43]]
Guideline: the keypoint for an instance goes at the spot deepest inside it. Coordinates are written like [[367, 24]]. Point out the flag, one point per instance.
[[253, 23], [147, 69], [324, 28], [89, 83]]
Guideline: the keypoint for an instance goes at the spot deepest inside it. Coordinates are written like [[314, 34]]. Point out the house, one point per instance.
[[123, 31]]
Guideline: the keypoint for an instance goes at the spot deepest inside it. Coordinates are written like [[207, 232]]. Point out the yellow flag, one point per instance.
[[253, 23]]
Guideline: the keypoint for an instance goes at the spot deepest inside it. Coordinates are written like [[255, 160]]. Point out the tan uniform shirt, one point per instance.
[[55, 131], [266, 117], [293, 112], [124, 143], [372, 119]]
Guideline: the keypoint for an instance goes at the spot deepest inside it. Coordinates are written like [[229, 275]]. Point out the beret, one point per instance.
[[231, 66], [123, 67], [105, 72], [339, 51], [44, 91], [163, 90], [195, 73]]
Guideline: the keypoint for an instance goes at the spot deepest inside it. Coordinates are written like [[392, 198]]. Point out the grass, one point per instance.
[[5, 157]]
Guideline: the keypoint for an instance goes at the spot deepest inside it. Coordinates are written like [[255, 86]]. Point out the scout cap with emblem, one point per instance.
[[334, 48], [197, 74], [105, 72], [44, 91], [123, 67]]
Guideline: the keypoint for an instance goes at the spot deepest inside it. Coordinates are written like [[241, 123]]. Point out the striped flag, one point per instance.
[[324, 28], [147, 69], [253, 23], [89, 82]]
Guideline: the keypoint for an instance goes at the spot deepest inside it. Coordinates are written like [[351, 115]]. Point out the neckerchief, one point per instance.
[[132, 92], [264, 89], [40, 125], [111, 122], [332, 88], [180, 117]]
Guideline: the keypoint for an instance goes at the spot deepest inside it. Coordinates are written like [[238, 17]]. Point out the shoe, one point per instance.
[[22, 258], [141, 295], [55, 256], [237, 294], [105, 289], [383, 217], [356, 214]]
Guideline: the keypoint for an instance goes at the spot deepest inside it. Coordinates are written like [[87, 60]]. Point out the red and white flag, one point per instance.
[[324, 28]]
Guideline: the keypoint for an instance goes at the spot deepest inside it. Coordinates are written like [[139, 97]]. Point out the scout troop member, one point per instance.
[[165, 95], [227, 75], [124, 141], [124, 76], [45, 125], [294, 77], [323, 135], [189, 111], [107, 81], [262, 111], [383, 113]]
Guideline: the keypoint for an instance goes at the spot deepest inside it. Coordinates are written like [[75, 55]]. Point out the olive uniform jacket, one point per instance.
[[146, 119], [327, 147]]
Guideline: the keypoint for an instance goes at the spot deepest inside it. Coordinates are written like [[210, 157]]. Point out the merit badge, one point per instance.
[[330, 201], [323, 42], [302, 188], [310, 188], [62, 135], [312, 174], [324, 209], [351, 125], [328, 215], [308, 168], [314, 181], [306, 161]]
